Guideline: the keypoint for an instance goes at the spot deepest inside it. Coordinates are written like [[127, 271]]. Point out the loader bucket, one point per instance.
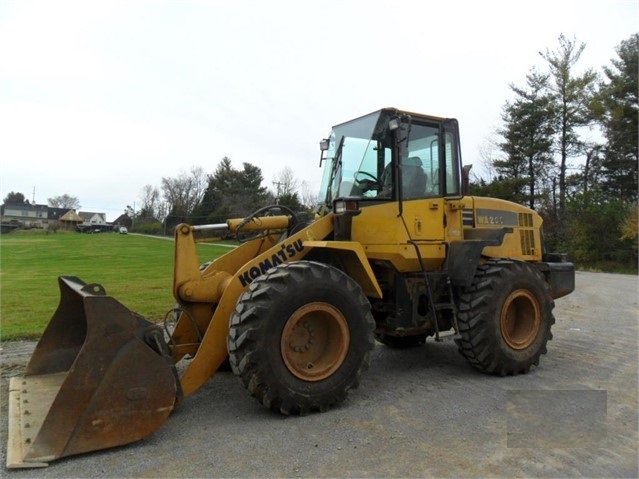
[[99, 377]]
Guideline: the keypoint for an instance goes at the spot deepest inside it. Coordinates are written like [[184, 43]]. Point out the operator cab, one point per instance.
[[391, 155]]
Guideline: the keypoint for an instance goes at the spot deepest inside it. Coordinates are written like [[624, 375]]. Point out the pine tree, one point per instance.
[[617, 108], [527, 132], [573, 95]]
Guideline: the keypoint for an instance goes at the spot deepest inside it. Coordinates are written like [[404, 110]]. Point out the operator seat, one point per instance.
[[414, 178]]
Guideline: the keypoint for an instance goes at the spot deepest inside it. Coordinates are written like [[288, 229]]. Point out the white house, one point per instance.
[[93, 219]]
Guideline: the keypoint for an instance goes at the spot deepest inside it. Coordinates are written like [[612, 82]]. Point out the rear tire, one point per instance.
[[505, 317], [300, 337]]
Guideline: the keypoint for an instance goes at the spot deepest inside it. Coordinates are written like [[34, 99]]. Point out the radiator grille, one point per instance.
[[527, 241], [525, 220]]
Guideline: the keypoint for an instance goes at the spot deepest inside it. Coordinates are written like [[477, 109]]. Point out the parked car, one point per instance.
[[123, 230]]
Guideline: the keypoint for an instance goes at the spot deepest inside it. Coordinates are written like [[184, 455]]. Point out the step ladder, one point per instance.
[[435, 308]]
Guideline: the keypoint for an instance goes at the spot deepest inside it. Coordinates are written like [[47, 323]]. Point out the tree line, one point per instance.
[[61, 201], [195, 197], [567, 147]]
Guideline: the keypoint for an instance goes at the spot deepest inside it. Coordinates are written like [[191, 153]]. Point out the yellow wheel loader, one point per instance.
[[396, 252]]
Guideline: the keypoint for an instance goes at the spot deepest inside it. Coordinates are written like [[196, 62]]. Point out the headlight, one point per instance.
[[346, 206]]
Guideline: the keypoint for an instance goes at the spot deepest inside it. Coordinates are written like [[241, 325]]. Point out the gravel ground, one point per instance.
[[418, 413]]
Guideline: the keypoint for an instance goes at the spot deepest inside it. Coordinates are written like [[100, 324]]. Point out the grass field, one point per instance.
[[136, 270]]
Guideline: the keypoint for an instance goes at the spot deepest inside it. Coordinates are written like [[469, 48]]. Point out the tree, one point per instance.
[[285, 182], [64, 201], [231, 193], [130, 211], [527, 132], [617, 108], [251, 179], [14, 198], [630, 226], [595, 226], [573, 95], [590, 174], [213, 208], [183, 195], [286, 188], [309, 197], [151, 206]]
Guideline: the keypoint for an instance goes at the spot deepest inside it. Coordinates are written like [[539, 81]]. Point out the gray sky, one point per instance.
[[99, 98]]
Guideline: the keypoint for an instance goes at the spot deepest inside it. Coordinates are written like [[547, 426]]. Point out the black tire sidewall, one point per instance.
[[512, 280], [279, 316], [286, 294], [482, 341]]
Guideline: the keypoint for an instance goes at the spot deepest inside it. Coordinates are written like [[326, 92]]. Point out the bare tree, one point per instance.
[[285, 182], [151, 203], [308, 195], [64, 201], [184, 193]]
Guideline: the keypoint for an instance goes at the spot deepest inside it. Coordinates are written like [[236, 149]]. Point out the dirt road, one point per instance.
[[418, 413]]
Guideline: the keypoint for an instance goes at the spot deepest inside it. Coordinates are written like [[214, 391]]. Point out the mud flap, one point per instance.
[[99, 377]]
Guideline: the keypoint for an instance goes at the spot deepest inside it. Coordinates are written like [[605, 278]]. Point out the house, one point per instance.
[[93, 219], [93, 222], [123, 220], [54, 214], [27, 215]]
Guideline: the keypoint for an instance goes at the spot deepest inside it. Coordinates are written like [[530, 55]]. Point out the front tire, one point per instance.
[[300, 337], [505, 318]]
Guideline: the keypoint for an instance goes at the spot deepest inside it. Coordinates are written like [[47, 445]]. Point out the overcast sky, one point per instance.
[[99, 98]]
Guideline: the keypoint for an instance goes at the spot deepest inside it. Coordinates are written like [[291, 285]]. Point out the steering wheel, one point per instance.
[[367, 184]]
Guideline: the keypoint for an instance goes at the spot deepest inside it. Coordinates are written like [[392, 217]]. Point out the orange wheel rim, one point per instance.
[[520, 319], [315, 341]]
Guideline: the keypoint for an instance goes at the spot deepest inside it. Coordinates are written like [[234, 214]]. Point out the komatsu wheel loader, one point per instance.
[[396, 252]]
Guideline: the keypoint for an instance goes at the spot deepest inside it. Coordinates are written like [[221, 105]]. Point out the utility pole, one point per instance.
[[278, 184]]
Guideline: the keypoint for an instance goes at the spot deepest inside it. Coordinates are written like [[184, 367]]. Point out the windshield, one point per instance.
[[358, 159]]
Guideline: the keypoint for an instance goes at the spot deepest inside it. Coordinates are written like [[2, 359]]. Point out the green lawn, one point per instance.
[[136, 270]]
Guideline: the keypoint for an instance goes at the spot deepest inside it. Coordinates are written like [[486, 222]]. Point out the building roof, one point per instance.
[[124, 220], [87, 215], [56, 213], [24, 207], [72, 216]]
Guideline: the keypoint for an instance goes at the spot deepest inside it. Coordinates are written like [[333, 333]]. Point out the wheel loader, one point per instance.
[[396, 252]]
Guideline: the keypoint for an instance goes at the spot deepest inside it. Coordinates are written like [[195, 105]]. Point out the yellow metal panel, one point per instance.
[[378, 224], [525, 241], [454, 217], [356, 263]]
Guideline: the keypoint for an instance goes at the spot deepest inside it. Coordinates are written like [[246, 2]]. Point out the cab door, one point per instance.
[[429, 178]]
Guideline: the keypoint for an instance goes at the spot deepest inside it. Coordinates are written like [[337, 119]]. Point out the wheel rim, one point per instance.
[[315, 341], [520, 319]]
